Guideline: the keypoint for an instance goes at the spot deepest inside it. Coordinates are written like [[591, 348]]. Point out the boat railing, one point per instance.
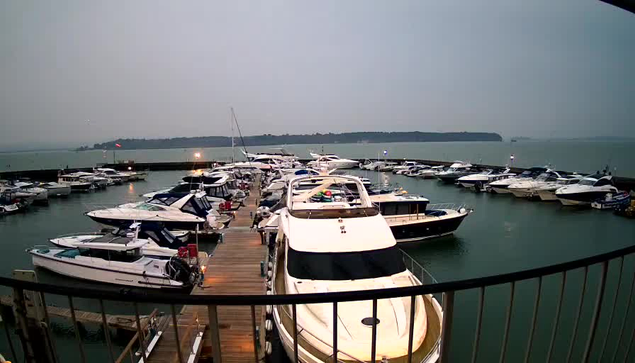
[[301, 329], [593, 294], [419, 271]]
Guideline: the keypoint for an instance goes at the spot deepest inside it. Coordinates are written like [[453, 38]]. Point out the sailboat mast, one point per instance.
[[232, 126]]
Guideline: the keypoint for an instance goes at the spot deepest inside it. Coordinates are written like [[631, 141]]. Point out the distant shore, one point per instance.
[[268, 139]]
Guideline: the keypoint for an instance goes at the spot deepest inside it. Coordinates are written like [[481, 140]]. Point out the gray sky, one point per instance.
[[539, 68]]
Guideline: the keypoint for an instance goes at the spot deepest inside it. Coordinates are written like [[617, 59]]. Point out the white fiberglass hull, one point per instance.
[[61, 191], [521, 192], [547, 195], [87, 271]]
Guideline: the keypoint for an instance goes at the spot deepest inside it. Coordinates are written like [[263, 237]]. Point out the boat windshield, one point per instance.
[[345, 265], [149, 207], [587, 182]]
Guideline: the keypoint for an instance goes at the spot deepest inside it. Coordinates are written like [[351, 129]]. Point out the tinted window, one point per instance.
[[403, 208], [345, 265], [389, 209], [602, 182]]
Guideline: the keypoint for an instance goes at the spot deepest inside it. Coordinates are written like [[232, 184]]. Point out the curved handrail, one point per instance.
[[126, 295]]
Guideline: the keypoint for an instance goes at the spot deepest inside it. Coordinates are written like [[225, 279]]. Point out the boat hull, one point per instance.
[[58, 192], [424, 229], [580, 199], [547, 195], [169, 224]]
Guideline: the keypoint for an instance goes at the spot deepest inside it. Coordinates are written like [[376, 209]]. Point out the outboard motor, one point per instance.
[[179, 270]]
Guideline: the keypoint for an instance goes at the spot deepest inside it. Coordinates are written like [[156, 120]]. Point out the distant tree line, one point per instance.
[[286, 139]]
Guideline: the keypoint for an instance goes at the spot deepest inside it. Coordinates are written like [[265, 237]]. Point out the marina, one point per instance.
[[238, 260]]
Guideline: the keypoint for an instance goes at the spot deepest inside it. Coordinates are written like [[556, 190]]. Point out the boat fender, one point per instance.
[[268, 348], [270, 265], [269, 284], [462, 210], [269, 274], [269, 292], [268, 325], [269, 309]]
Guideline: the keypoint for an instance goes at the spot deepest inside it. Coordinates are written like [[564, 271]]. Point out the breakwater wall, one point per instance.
[[624, 183]]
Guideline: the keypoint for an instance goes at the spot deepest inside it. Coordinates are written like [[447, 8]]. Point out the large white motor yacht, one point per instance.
[[480, 180], [547, 192], [176, 211], [529, 188], [501, 186], [332, 161], [329, 242], [588, 190]]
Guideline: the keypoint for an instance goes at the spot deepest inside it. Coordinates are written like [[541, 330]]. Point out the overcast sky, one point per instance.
[[75, 72]]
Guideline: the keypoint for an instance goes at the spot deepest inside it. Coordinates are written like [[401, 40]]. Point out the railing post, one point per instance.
[[596, 312], [140, 334], [214, 333], [446, 326], [411, 328], [533, 321], [335, 322], [629, 296], [556, 319], [177, 340], [294, 310], [23, 325], [577, 319], [479, 323], [254, 332], [373, 346], [508, 320], [617, 294]]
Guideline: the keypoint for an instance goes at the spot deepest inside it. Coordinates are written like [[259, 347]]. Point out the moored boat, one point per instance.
[[343, 244], [116, 263]]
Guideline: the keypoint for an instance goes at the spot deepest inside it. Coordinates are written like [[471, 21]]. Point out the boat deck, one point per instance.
[[234, 269], [421, 354]]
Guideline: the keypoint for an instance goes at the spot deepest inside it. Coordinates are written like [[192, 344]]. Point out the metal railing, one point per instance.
[[585, 343]]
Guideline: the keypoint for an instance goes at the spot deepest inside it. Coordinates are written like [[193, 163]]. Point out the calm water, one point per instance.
[[582, 156], [504, 234]]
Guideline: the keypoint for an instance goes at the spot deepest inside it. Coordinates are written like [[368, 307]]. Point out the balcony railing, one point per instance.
[[608, 312]]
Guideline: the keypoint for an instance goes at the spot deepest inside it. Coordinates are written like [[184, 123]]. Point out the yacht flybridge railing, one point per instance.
[[597, 323]]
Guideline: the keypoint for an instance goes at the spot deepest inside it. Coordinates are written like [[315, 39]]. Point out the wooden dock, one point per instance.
[[125, 322], [233, 269]]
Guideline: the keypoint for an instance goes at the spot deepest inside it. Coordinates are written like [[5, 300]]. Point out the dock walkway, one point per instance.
[[234, 269]]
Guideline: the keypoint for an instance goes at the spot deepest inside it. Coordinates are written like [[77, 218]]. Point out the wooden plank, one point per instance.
[[233, 269]]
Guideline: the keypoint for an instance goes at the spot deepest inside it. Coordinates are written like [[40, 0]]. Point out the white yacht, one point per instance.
[[590, 189], [529, 188], [337, 245], [41, 195], [113, 174], [500, 186], [332, 161], [431, 173], [404, 166], [371, 165], [56, 189], [116, 263], [411, 218], [455, 171], [480, 180], [547, 192], [76, 182], [98, 181], [184, 211]]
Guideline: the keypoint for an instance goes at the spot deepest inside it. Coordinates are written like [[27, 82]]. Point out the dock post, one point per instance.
[[214, 333]]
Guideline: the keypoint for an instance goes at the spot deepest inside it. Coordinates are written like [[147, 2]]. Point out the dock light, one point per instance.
[[511, 157], [130, 168], [203, 269], [197, 155]]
